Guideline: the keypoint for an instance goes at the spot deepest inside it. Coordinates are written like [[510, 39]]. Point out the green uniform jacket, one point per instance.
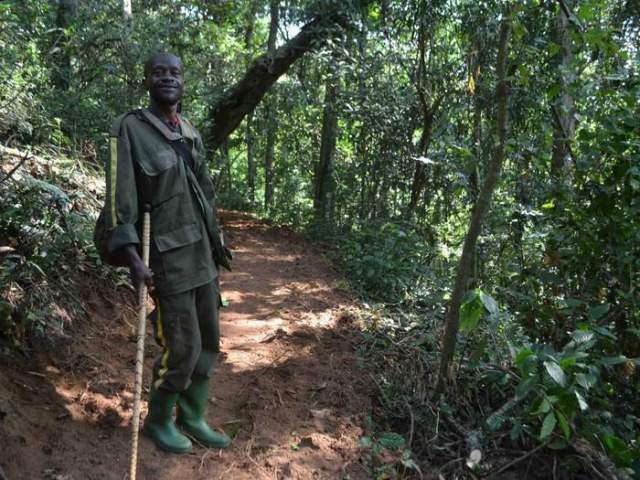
[[143, 168]]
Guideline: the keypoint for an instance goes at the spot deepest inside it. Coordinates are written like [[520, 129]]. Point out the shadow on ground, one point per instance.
[[288, 388]]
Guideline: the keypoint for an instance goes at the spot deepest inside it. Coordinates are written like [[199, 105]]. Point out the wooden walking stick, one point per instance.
[[142, 323]]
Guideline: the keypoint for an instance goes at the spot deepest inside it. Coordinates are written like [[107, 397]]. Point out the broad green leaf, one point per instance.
[[555, 371], [557, 444], [366, 442], [596, 313], [525, 387], [408, 461], [494, 422], [470, 313], [605, 332], [586, 380], [548, 425], [391, 440], [489, 303], [573, 302], [523, 355], [582, 336], [613, 360], [564, 424], [545, 407], [515, 432], [582, 403]]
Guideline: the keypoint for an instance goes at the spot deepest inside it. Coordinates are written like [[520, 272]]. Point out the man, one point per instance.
[[157, 162]]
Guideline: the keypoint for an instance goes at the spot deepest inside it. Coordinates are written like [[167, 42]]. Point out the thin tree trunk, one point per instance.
[[429, 108], [270, 107], [480, 208], [325, 183], [420, 172], [127, 11], [65, 17], [563, 108], [249, 137]]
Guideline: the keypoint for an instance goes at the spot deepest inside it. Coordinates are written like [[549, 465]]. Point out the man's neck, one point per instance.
[[164, 112]]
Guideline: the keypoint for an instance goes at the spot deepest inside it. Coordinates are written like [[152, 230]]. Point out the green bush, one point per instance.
[[386, 260]]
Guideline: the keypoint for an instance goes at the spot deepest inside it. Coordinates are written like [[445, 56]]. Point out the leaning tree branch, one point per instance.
[[243, 97]]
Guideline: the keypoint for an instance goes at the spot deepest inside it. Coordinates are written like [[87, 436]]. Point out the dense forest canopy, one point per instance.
[[476, 165]]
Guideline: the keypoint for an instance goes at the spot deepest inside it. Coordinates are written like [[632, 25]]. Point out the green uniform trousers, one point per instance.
[[186, 326]]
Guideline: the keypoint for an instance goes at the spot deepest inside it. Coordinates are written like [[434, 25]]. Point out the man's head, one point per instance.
[[163, 78]]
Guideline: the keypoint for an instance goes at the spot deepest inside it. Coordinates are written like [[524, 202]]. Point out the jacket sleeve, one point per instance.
[[204, 177], [121, 193]]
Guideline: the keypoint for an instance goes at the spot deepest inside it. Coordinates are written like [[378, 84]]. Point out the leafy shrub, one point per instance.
[[384, 259]]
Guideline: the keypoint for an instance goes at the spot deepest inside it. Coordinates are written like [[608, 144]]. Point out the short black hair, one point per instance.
[[150, 61]]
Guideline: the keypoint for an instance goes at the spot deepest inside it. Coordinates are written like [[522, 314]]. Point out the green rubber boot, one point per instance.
[[159, 425], [191, 406]]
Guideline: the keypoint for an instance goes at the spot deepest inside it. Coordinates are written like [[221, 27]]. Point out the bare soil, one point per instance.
[[288, 388]]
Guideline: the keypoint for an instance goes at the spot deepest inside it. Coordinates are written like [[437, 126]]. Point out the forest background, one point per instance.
[[473, 167]]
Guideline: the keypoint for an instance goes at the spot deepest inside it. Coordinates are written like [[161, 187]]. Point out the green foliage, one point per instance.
[[379, 443], [386, 260], [474, 305], [46, 224], [559, 250]]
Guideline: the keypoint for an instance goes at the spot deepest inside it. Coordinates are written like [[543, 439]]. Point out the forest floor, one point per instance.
[[288, 388]]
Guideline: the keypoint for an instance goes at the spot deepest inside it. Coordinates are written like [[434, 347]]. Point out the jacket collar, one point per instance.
[[185, 127]]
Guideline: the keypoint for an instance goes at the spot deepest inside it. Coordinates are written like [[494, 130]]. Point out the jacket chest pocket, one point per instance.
[[182, 250], [163, 172]]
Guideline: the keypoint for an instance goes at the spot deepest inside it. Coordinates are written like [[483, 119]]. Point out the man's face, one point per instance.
[[164, 79]]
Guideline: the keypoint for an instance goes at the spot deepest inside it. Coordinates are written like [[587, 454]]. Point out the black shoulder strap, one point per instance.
[[183, 152]]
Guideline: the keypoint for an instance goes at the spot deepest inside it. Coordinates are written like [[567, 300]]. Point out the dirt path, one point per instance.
[[288, 386]]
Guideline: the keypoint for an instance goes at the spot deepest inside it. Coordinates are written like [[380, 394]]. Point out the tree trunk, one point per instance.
[[420, 172], [242, 98], [480, 208], [127, 11], [249, 137], [65, 17], [270, 107], [563, 108], [429, 108], [323, 201]]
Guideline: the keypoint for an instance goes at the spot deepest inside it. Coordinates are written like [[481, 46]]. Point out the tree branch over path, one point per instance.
[[246, 94]]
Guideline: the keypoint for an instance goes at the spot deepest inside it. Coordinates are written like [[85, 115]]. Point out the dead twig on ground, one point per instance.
[[27, 156], [516, 461]]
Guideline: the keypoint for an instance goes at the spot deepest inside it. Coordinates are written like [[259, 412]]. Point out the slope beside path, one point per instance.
[[287, 388]]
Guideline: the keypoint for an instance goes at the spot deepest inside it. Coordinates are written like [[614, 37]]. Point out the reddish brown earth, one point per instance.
[[288, 388]]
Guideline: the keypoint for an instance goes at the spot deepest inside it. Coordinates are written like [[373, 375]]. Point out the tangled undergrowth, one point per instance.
[[49, 205], [522, 409]]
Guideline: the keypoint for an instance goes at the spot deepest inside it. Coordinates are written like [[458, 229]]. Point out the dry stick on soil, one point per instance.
[[27, 156], [481, 207], [517, 460]]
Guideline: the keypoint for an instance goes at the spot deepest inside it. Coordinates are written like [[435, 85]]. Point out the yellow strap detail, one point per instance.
[[164, 367], [113, 143]]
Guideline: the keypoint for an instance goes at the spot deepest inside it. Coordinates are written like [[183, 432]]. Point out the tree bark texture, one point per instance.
[[563, 108], [325, 183], [244, 96], [270, 110], [480, 208], [429, 108], [249, 136], [65, 16]]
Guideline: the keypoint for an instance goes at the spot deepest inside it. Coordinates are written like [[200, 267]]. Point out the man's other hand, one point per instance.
[[141, 274], [138, 271]]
